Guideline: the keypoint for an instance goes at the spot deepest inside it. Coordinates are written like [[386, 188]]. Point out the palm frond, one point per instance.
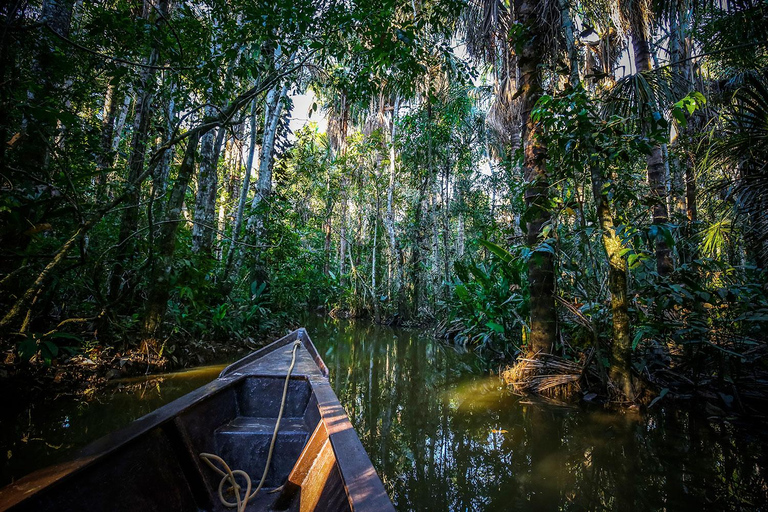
[[742, 153], [646, 95]]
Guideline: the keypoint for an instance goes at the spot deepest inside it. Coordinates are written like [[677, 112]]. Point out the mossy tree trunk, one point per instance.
[[621, 345], [160, 273]]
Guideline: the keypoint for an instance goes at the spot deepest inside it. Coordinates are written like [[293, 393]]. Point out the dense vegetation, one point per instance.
[[586, 180]]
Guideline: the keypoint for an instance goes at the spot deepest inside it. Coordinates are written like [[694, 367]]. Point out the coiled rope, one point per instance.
[[228, 475]]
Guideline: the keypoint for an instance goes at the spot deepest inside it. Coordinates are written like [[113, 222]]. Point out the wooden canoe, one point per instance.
[[154, 464]]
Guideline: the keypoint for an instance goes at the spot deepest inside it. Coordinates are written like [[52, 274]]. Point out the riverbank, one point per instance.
[[83, 373]]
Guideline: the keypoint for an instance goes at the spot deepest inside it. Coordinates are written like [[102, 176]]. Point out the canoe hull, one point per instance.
[[153, 464]]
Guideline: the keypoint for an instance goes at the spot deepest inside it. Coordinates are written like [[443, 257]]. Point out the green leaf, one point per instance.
[[679, 117], [65, 336], [257, 289], [501, 253], [27, 348], [50, 347], [496, 327]]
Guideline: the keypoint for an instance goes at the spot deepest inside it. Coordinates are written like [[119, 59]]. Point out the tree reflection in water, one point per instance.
[[444, 438]]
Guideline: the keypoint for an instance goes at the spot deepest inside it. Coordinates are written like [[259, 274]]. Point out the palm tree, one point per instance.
[[637, 16], [518, 42]]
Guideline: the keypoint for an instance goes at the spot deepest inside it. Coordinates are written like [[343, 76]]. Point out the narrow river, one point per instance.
[[444, 435]]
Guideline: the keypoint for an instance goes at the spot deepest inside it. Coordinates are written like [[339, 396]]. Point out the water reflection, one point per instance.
[[444, 438], [38, 435]]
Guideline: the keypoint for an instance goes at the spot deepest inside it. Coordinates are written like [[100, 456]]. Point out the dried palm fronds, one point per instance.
[[545, 374]]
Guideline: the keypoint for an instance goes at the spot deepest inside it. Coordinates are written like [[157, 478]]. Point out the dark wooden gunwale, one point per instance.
[[363, 486]]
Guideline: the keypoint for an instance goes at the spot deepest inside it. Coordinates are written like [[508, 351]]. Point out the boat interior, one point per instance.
[[155, 463]]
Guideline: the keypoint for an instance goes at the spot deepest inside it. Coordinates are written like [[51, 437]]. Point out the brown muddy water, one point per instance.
[[444, 435]]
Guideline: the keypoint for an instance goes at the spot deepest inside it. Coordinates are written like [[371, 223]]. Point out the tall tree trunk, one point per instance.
[[203, 229], [274, 108], [621, 344], [57, 14], [40, 130], [374, 292], [392, 263], [130, 219], [541, 273], [120, 123], [109, 113], [163, 173], [569, 30], [655, 161], [460, 235], [416, 251], [447, 259], [327, 224], [243, 194], [160, 273], [345, 183], [680, 53], [434, 220], [104, 158]]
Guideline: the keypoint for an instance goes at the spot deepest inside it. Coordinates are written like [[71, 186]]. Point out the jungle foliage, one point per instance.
[[586, 180]]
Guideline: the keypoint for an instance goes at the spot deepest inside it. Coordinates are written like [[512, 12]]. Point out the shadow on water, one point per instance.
[[444, 435], [44, 434]]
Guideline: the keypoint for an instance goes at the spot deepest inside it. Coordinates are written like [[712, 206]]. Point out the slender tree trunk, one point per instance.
[[345, 184], [57, 14], [120, 123], [416, 251], [205, 227], [434, 221], [130, 219], [40, 130], [207, 185], [327, 223], [264, 184], [160, 274], [392, 266], [431, 209], [374, 293], [680, 52], [243, 195], [569, 30], [655, 161], [447, 260], [541, 273], [690, 194], [165, 164], [104, 159], [343, 220], [107, 130]]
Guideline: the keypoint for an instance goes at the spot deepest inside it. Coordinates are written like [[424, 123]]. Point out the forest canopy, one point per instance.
[[579, 185]]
